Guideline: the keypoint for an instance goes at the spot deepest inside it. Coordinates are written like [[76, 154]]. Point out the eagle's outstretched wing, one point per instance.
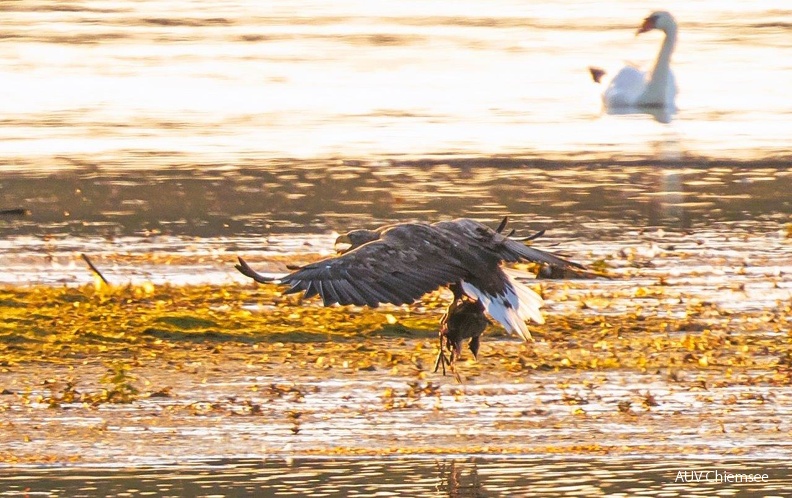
[[406, 262], [409, 260]]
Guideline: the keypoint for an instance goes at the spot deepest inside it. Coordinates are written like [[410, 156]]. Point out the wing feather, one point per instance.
[[398, 297], [327, 300], [329, 293], [480, 241], [346, 293], [409, 286], [299, 286], [407, 261], [513, 251], [378, 295]]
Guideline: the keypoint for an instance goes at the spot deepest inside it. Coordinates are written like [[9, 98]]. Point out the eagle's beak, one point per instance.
[[342, 244], [648, 25]]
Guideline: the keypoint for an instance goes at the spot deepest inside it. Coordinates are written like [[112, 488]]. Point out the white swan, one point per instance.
[[631, 87]]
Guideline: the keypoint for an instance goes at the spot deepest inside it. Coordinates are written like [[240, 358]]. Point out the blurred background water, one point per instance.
[[208, 122], [190, 127], [149, 84]]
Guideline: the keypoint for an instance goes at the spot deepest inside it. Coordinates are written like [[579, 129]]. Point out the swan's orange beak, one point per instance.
[[648, 25]]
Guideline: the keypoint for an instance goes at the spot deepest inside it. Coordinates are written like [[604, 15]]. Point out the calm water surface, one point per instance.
[[175, 225], [463, 477], [192, 127], [125, 83], [126, 124]]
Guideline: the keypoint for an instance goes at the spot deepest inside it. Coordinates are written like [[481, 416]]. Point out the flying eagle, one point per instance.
[[399, 263]]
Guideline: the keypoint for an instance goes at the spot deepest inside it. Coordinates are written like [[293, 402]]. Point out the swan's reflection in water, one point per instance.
[[661, 114], [457, 477]]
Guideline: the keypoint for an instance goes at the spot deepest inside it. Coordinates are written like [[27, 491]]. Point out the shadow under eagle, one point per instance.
[[399, 263]]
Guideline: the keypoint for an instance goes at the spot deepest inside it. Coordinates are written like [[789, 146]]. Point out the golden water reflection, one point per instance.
[[318, 197], [442, 476], [233, 80]]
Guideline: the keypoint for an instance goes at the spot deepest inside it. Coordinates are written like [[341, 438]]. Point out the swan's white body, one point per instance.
[[631, 87]]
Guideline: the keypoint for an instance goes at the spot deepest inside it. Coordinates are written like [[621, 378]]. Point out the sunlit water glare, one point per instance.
[[232, 80]]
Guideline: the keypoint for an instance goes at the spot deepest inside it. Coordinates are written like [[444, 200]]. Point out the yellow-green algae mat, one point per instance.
[[98, 374]]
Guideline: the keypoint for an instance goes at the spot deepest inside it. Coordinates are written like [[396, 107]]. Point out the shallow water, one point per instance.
[[197, 130], [126, 83], [231, 428], [187, 225], [460, 477]]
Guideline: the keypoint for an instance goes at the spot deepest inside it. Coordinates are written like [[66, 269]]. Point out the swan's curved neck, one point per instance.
[[655, 88]]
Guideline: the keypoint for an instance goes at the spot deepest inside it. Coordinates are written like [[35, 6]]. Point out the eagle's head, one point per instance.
[[354, 239]]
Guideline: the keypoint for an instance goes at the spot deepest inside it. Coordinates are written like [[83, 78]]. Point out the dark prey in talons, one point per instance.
[[464, 319]]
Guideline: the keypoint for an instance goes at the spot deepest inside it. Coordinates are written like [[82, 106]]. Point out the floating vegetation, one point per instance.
[[248, 366], [146, 321], [119, 388]]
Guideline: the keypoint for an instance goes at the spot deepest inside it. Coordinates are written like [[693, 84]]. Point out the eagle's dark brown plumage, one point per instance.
[[399, 263]]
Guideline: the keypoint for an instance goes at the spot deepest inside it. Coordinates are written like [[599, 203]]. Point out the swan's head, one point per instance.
[[658, 20]]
